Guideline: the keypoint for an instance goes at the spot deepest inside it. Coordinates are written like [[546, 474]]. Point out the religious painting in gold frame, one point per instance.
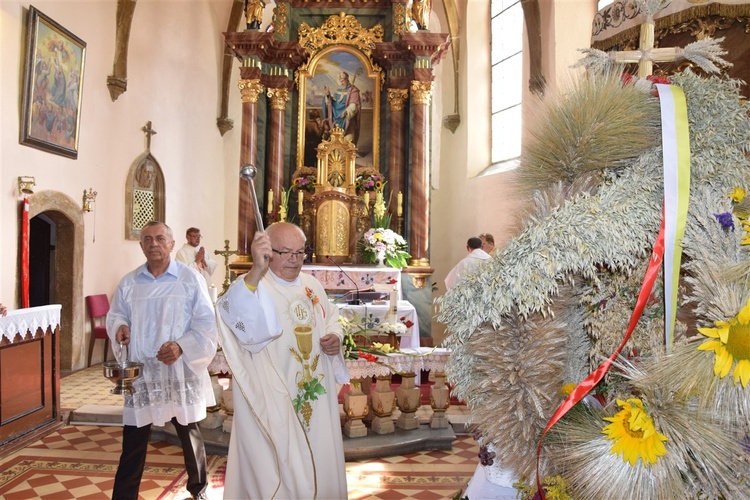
[[340, 86], [53, 82]]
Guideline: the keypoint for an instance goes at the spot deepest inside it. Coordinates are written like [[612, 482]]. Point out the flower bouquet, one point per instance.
[[369, 181], [351, 330], [304, 179], [384, 246]]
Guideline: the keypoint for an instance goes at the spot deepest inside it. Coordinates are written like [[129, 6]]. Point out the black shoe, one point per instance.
[[200, 496]]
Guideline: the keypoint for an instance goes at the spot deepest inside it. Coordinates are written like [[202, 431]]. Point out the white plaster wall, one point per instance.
[[174, 76], [174, 81]]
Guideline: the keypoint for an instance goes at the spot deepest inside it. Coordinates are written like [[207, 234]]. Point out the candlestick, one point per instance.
[[367, 200], [300, 201], [270, 201], [400, 206]]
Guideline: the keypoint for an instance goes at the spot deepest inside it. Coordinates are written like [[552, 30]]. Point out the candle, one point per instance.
[[270, 201], [300, 201], [400, 206], [212, 292], [367, 199], [394, 304]]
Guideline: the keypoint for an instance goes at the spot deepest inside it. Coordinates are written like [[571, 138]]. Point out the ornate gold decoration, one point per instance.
[[336, 168], [250, 90], [630, 35], [421, 92], [396, 97], [336, 163], [399, 18], [279, 98], [280, 18], [419, 280], [703, 27], [337, 30], [332, 229]]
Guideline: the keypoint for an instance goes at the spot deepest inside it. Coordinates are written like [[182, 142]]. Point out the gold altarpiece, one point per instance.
[[393, 68], [335, 204]]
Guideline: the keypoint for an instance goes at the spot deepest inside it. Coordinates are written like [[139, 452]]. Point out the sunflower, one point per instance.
[[634, 433], [732, 343], [737, 194]]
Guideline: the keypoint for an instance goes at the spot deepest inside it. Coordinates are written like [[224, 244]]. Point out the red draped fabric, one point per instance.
[[25, 253]]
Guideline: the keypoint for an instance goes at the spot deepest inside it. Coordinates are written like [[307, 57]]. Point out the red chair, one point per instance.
[[98, 306]]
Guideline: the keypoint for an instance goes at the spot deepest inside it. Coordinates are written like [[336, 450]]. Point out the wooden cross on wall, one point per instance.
[[226, 253], [149, 132]]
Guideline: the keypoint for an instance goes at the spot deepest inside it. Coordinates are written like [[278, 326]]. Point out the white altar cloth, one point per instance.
[[409, 360], [28, 320], [370, 316], [365, 277]]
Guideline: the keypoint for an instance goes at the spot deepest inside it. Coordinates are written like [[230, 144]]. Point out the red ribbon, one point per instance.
[[25, 253], [595, 377]]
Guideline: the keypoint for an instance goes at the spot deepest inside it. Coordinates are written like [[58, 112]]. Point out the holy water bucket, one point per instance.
[[122, 373]]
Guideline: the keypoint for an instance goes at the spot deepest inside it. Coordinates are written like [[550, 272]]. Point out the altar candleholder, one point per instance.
[[400, 224]]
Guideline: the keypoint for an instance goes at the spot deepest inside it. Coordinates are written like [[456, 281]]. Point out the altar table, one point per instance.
[[370, 316], [335, 281], [30, 375]]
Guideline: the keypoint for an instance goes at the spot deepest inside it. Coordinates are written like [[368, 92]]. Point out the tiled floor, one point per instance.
[[80, 462]]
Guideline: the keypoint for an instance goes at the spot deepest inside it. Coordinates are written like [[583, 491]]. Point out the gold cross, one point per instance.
[[226, 253]]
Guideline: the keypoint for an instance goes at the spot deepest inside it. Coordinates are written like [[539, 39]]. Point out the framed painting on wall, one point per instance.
[[53, 80], [340, 87]]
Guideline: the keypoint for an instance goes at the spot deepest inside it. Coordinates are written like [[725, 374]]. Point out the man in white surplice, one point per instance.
[[282, 340], [192, 254]]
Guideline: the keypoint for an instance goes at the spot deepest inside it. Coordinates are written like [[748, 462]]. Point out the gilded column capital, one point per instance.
[[250, 90], [421, 92], [279, 98], [396, 98]]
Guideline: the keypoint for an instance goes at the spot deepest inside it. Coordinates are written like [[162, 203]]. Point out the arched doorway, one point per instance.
[[57, 269]]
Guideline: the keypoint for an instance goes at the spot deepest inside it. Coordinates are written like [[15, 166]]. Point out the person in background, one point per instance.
[[162, 313], [488, 243], [192, 254], [476, 257], [282, 339]]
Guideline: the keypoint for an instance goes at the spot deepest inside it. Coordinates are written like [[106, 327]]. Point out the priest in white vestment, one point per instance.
[[468, 264], [192, 254], [282, 340]]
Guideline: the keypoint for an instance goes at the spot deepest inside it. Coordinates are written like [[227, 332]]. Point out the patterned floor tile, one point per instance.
[[79, 462]]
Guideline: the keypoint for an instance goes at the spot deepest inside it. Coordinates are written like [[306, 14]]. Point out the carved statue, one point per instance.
[[254, 13], [420, 13]]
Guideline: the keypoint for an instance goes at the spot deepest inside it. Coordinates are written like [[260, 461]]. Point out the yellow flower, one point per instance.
[[386, 348], [731, 343], [634, 433], [567, 389], [737, 194]]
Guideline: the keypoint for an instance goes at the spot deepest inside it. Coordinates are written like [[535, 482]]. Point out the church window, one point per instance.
[[506, 27]]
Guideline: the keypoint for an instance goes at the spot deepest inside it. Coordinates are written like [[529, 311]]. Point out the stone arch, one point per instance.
[[68, 218]]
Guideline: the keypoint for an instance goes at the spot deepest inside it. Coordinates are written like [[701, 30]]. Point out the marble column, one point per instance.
[[250, 89], [419, 204], [396, 168], [275, 164]]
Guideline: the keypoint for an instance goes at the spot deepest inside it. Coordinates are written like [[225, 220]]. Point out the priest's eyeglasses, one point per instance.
[[300, 254]]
